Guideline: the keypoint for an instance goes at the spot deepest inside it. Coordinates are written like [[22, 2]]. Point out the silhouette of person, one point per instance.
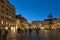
[[30, 30], [4, 36], [0, 33], [18, 30], [25, 30], [37, 30]]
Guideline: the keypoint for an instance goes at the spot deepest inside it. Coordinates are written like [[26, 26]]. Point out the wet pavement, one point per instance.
[[41, 35]]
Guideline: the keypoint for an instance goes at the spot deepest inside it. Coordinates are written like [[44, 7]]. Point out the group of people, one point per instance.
[[28, 30], [19, 30], [37, 30], [3, 34]]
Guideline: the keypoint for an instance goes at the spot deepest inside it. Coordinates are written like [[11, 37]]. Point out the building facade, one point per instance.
[[7, 15], [21, 22], [55, 25], [37, 24]]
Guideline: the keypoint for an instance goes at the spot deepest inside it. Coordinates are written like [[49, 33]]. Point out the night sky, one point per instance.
[[37, 9]]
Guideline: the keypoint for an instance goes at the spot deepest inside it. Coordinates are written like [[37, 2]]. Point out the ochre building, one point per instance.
[[7, 14]]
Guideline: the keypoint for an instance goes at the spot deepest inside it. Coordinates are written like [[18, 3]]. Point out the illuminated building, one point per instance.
[[18, 21], [21, 21], [7, 15], [37, 24], [55, 25]]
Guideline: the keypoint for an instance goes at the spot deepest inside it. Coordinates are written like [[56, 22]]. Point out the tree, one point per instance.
[[20, 15], [50, 16], [50, 19]]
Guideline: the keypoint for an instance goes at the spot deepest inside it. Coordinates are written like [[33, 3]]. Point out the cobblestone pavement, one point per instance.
[[42, 35]]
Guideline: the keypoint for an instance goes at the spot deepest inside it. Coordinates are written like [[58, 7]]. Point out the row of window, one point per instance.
[[2, 8], [13, 9], [2, 1], [10, 19], [7, 12], [6, 18], [2, 22], [8, 5], [2, 17], [10, 8], [6, 9]]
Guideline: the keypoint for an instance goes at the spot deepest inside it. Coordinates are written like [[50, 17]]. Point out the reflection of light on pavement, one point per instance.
[[12, 28], [13, 31], [46, 33]]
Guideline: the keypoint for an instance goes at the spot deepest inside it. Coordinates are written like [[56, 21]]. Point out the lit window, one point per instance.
[[6, 23], [2, 22], [9, 23], [6, 27], [40, 25]]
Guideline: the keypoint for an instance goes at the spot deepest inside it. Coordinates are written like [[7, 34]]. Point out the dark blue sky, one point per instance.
[[36, 9]]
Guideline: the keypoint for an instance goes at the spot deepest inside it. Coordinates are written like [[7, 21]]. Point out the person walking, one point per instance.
[[37, 30], [18, 30], [30, 30]]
